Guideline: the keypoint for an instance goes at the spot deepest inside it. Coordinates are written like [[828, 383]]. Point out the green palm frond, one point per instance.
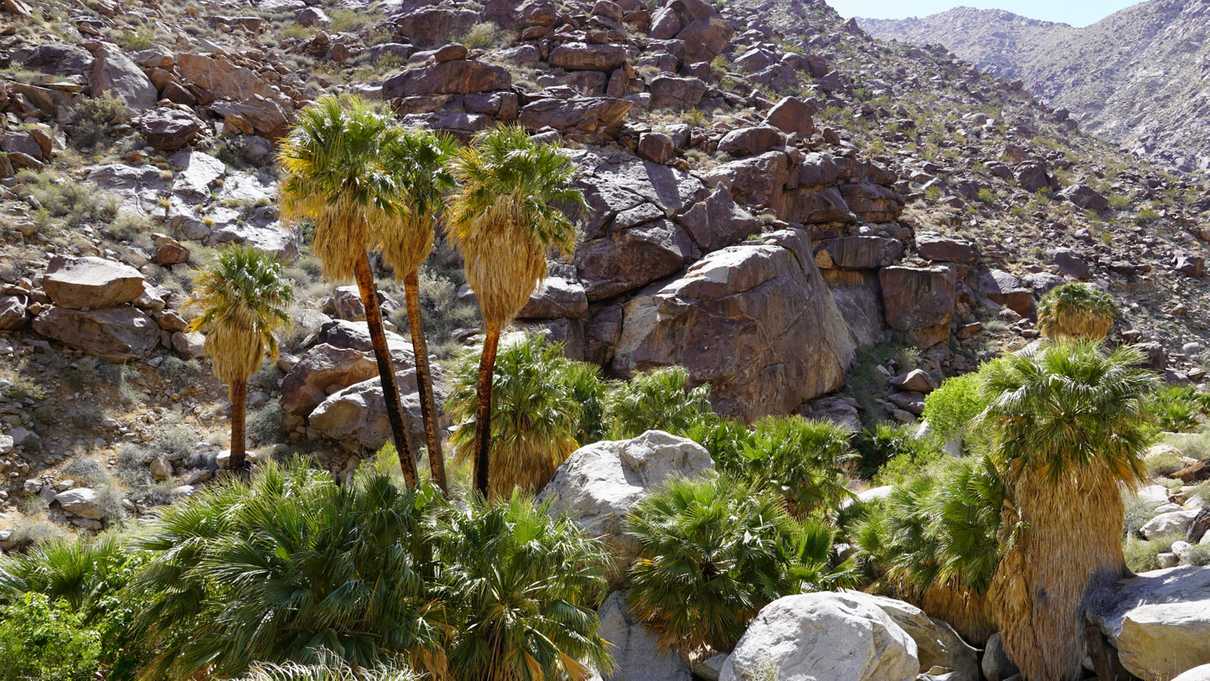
[[537, 411], [659, 399], [1070, 406], [418, 162], [508, 212], [712, 553], [78, 572], [244, 298], [525, 586], [335, 176], [801, 459]]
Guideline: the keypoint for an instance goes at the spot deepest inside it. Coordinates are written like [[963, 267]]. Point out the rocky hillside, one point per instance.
[[792, 210], [1138, 77]]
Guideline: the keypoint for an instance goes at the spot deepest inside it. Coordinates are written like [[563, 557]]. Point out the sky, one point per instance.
[[1074, 12]]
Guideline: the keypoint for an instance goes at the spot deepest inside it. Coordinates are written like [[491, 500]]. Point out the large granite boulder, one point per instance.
[[600, 483], [672, 92], [1159, 621], [428, 26], [756, 321], [577, 117], [626, 259], [116, 334], [937, 644], [458, 77], [324, 369], [637, 655], [577, 56], [823, 636], [169, 129], [81, 501], [356, 417], [91, 283]]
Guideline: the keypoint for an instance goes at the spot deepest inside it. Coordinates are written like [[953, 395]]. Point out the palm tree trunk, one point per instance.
[[424, 380], [483, 416], [239, 458], [386, 372]]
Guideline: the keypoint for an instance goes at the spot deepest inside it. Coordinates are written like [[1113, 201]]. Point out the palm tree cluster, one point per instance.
[[366, 183]]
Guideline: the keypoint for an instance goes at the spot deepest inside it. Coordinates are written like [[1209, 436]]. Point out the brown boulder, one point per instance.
[[90, 283], [321, 371], [627, 259], [656, 147], [938, 248], [577, 117], [586, 57], [756, 321], [792, 115], [431, 26], [556, 298], [116, 334], [919, 301], [671, 92], [459, 77], [753, 141], [862, 252], [1005, 289], [113, 73], [168, 129]]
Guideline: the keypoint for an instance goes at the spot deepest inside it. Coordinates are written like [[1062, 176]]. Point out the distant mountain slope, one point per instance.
[[1140, 77]]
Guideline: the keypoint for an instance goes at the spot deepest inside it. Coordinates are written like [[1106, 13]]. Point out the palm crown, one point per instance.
[[416, 159], [335, 176], [1069, 406], [1076, 311], [508, 213], [244, 299]]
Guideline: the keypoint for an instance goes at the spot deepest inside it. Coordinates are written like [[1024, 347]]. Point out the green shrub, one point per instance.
[[888, 442], [660, 399], [713, 553], [1163, 464], [45, 639], [1143, 554], [482, 35], [68, 204], [1177, 408], [94, 119], [951, 408]]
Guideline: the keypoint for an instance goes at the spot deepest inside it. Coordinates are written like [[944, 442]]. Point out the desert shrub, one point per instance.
[[1143, 554], [1199, 555], [660, 399], [886, 442], [265, 423], [951, 408], [1196, 445], [330, 668], [1177, 408], [445, 316], [536, 413], [93, 120], [1163, 464], [45, 639], [1138, 511], [713, 553], [482, 35], [139, 38], [70, 204]]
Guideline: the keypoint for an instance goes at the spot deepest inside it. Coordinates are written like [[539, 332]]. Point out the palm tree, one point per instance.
[[335, 176], [525, 587], [506, 216], [801, 458], [659, 399], [418, 162], [1074, 311], [244, 299], [1070, 428], [713, 553], [290, 566], [536, 413]]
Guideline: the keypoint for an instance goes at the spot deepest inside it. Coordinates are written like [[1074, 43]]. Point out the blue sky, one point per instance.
[[1074, 12]]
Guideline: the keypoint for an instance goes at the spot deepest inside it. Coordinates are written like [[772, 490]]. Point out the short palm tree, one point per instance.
[[507, 214], [1076, 311], [535, 414], [713, 553], [290, 566], [659, 399], [1070, 429], [525, 587], [335, 176], [418, 161], [802, 459], [244, 299], [77, 571]]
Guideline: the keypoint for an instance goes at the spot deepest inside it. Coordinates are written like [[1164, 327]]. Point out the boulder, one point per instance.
[[753, 141], [996, 664], [718, 221], [672, 92], [600, 483], [431, 26], [555, 298], [459, 77], [937, 644], [1173, 522], [168, 129], [312, 16], [919, 301], [627, 259], [1201, 673], [1034, 176], [1159, 621], [322, 370], [1070, 262], [82, 502], [580, 117], [756, 321], [356, 416], [90, 282], [656, 147], [939, 248], [823, 636], [168, 251], [254, 114], [116, 334], [1085, 197], [585, 57], [1004, 288], [705, 38], [637, 655], [13, 312], [217, 77], [866, 252], [113, 73], [792, 115]]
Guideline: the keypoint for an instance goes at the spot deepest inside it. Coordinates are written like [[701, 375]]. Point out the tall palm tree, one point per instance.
[[1074, 311], [335, 177], [1070, 429], [418, 162], [506, 215], [244, 298]]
